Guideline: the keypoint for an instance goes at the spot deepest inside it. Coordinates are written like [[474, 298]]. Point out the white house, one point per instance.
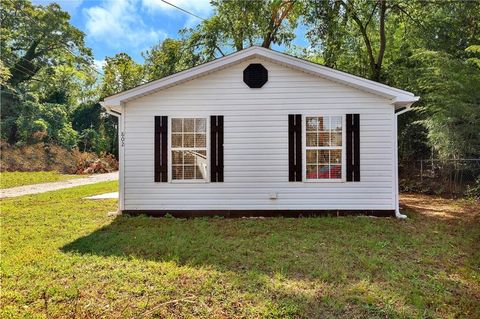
[[259, 132]]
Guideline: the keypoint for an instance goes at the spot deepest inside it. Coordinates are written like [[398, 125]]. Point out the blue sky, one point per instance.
[[132, 26]]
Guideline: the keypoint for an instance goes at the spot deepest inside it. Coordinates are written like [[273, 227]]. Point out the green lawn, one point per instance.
[[63, 257], [14, 179]]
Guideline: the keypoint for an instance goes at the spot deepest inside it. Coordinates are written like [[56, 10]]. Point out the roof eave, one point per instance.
[[405, 101]]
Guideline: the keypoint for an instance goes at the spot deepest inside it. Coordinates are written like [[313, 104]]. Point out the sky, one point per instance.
[[131, 26]]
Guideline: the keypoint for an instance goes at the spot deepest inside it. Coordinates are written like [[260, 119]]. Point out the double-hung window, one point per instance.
[[189, 149], [324, 147]]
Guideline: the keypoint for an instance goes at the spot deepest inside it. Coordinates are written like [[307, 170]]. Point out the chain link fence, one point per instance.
[[454, 177]]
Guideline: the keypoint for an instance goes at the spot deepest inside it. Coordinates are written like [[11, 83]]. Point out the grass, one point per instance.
[[63, 257], [14, 179]]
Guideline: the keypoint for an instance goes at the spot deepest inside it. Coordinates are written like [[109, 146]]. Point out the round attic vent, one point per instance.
[[255, 75]]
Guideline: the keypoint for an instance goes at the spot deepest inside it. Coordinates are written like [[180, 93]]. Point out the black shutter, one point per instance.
[[216, 148], [295, 147], [161, 149], [353, 147]]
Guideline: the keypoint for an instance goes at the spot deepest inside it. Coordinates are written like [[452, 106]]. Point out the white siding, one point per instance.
[[256, 143]]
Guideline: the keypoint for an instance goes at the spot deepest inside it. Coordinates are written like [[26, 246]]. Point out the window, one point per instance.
[[189, 148], [324, 147]]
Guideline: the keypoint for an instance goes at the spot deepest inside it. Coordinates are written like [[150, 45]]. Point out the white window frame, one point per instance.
[[170, 159], [304, 150]]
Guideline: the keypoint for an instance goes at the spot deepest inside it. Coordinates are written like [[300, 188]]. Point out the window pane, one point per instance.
[[336, 139], [311, 171], [201, 169], [177, 172], [188, 125], [198, 173], [312, 124], [323, 171], [189, 158], [177, 157], [335, 156], [188, 172], [335, 171], [200, 140], [200, 125], [311, 157], [323, 139], [188, 140], [336, 123], [176, 140], [311, 139], [176, 125], [323, 156], [321, 123]]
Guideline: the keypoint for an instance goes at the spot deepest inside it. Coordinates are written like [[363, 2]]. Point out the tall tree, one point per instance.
[[330, 20], [121, 73], [33, 40], [237, 24], [168, 57], [34, 37]]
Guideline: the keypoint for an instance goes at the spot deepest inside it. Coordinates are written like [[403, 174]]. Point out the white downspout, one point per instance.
[[395, 155]]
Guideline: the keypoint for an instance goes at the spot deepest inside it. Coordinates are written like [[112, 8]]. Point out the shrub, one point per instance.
[[67, 136], [474, 190]]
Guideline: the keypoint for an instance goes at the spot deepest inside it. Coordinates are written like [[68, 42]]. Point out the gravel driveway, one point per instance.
[[53, 186]]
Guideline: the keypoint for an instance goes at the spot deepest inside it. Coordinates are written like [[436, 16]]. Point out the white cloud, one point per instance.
[[201, 8], [117, 23]]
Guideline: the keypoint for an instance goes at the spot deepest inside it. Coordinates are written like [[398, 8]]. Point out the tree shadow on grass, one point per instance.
[[290, 246], [349, 254], [304, 252]]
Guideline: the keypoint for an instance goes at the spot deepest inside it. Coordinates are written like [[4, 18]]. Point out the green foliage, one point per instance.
[[88, 139], [87, 115], [431, 49], [42, 81], [427, 48], [236, 25], [4, 74], [168, 57], [120, 73], [97, 130], [37, 37], [451, 103], [474, 190], [67, 136]]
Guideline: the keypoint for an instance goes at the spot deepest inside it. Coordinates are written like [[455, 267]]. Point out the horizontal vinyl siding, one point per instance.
[[256, 143]]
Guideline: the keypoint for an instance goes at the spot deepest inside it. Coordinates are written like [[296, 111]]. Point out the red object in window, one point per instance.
[[327, 173]]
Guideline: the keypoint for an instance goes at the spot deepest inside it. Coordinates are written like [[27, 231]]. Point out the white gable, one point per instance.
[[398, 98]]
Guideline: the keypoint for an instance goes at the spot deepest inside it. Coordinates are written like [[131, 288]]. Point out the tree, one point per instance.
[[237, 24], [90, 116], [168, 57], [34, 37], [331, 20], [450, 102], [121, 73]]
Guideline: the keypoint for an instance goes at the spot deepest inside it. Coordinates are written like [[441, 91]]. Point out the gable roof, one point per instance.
[[399, 98]]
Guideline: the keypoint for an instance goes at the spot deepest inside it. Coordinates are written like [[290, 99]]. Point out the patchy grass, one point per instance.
[[14, 179], [63, 257]]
